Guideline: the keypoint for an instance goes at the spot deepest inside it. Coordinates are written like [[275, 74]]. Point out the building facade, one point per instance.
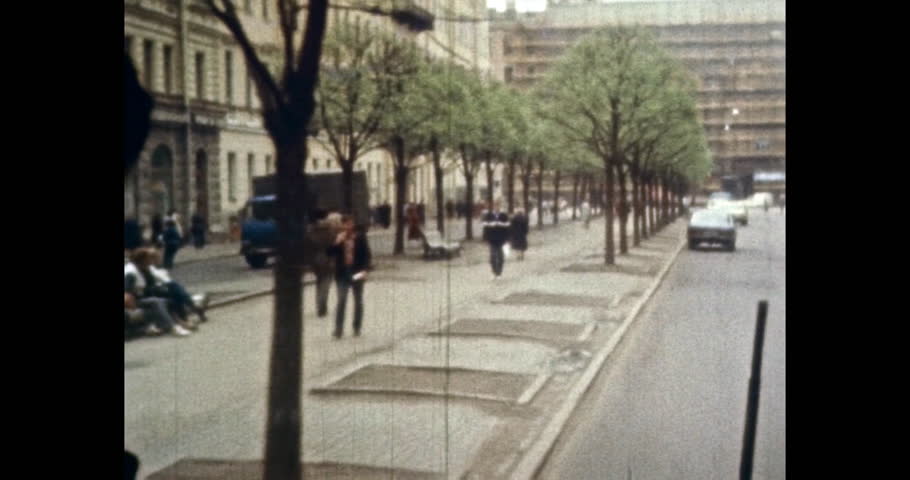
[[736, 48], [207, 140]]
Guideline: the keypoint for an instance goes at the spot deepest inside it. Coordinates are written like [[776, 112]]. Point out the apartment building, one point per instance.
[[736, 48], [207, 140]]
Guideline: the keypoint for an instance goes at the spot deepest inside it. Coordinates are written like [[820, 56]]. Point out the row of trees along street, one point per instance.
[[617, 108]]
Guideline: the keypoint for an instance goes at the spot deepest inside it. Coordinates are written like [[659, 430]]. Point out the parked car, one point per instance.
[[712, 226]]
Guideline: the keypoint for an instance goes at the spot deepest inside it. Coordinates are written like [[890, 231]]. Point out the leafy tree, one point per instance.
[[363, 75], [288, 105]]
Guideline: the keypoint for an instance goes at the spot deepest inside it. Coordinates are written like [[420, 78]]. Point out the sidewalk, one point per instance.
[[515, 349]]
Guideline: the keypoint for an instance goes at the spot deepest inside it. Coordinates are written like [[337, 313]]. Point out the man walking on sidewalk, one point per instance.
[[320, 238], [496, 234], [352, 260]]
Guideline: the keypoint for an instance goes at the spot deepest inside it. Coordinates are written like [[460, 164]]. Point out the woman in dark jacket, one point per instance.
[[157, 229], [172, 242], [352, 260], [519, 231], [198, 229]]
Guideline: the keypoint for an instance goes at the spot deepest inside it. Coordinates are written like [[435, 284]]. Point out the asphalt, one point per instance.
[[671, 404]]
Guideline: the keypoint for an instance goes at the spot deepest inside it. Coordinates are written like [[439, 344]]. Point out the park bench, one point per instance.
[[435, 245]]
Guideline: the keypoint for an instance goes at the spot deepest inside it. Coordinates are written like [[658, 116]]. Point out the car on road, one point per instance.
[[712, 226], [736, 208], [761, 200]]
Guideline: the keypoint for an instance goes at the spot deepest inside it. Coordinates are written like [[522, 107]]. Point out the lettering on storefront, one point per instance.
[[163, 116], [252, 123], [210, 121]]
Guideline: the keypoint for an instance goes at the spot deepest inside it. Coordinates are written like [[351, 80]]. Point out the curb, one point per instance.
[[534, 458], [248, 296], [213, 257]]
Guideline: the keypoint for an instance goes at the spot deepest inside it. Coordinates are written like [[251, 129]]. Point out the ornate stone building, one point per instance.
[[735, 47], [207, 139]]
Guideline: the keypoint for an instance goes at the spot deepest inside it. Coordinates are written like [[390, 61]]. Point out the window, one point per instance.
[[229, 77], [148, 49], [268, 165], [265, 9], [232, 176], [168, 67], [250, 159], [508, 74], [762, 144], [200, 75]]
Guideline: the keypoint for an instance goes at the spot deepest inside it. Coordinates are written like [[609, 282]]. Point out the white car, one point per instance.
[[761, 200], [736, 209]]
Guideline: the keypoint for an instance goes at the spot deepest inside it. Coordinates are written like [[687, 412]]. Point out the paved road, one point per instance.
[[671, 404]]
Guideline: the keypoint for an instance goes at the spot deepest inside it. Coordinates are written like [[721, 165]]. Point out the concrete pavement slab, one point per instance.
[[378, 430]]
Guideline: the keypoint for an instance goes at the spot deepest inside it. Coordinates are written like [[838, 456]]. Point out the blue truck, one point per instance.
[[259, 231]]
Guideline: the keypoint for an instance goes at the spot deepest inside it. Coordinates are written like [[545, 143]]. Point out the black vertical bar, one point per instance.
[[745, 466]]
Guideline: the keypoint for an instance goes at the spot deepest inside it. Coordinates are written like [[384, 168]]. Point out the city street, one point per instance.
[[671, 402], [204, 396]]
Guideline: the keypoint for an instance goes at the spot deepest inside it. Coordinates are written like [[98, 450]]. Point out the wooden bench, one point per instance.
[[435, 245]]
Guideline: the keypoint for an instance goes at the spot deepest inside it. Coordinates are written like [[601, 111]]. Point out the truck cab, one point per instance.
[[259, 233], [259, 229]]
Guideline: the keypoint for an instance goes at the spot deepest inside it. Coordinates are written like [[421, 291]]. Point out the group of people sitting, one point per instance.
[[153, 301]]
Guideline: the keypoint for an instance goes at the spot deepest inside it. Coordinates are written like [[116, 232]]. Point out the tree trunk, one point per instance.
[[347, 184], [664, 203], [636, 208], [439, 174], [652, 196], [609, 257], [401, 184], [574, 196], [488, 163], [623, 209], [510, 184], [540, 195], [469, 202], [680, 193], [526, 189], [643, 201], [401, 189], [556, 178], [283, 430]]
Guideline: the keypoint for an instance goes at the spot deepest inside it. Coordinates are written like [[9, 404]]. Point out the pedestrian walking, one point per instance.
[[586, 213], [496, 234], [132, 235], [173, 216], [519, 233], [450, 209], [352, 260], [198, 228], [320, 237], [172, 242], [157, 229], [413, 220]]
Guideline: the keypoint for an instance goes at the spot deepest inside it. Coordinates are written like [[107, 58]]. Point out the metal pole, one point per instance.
[[748, 452]]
